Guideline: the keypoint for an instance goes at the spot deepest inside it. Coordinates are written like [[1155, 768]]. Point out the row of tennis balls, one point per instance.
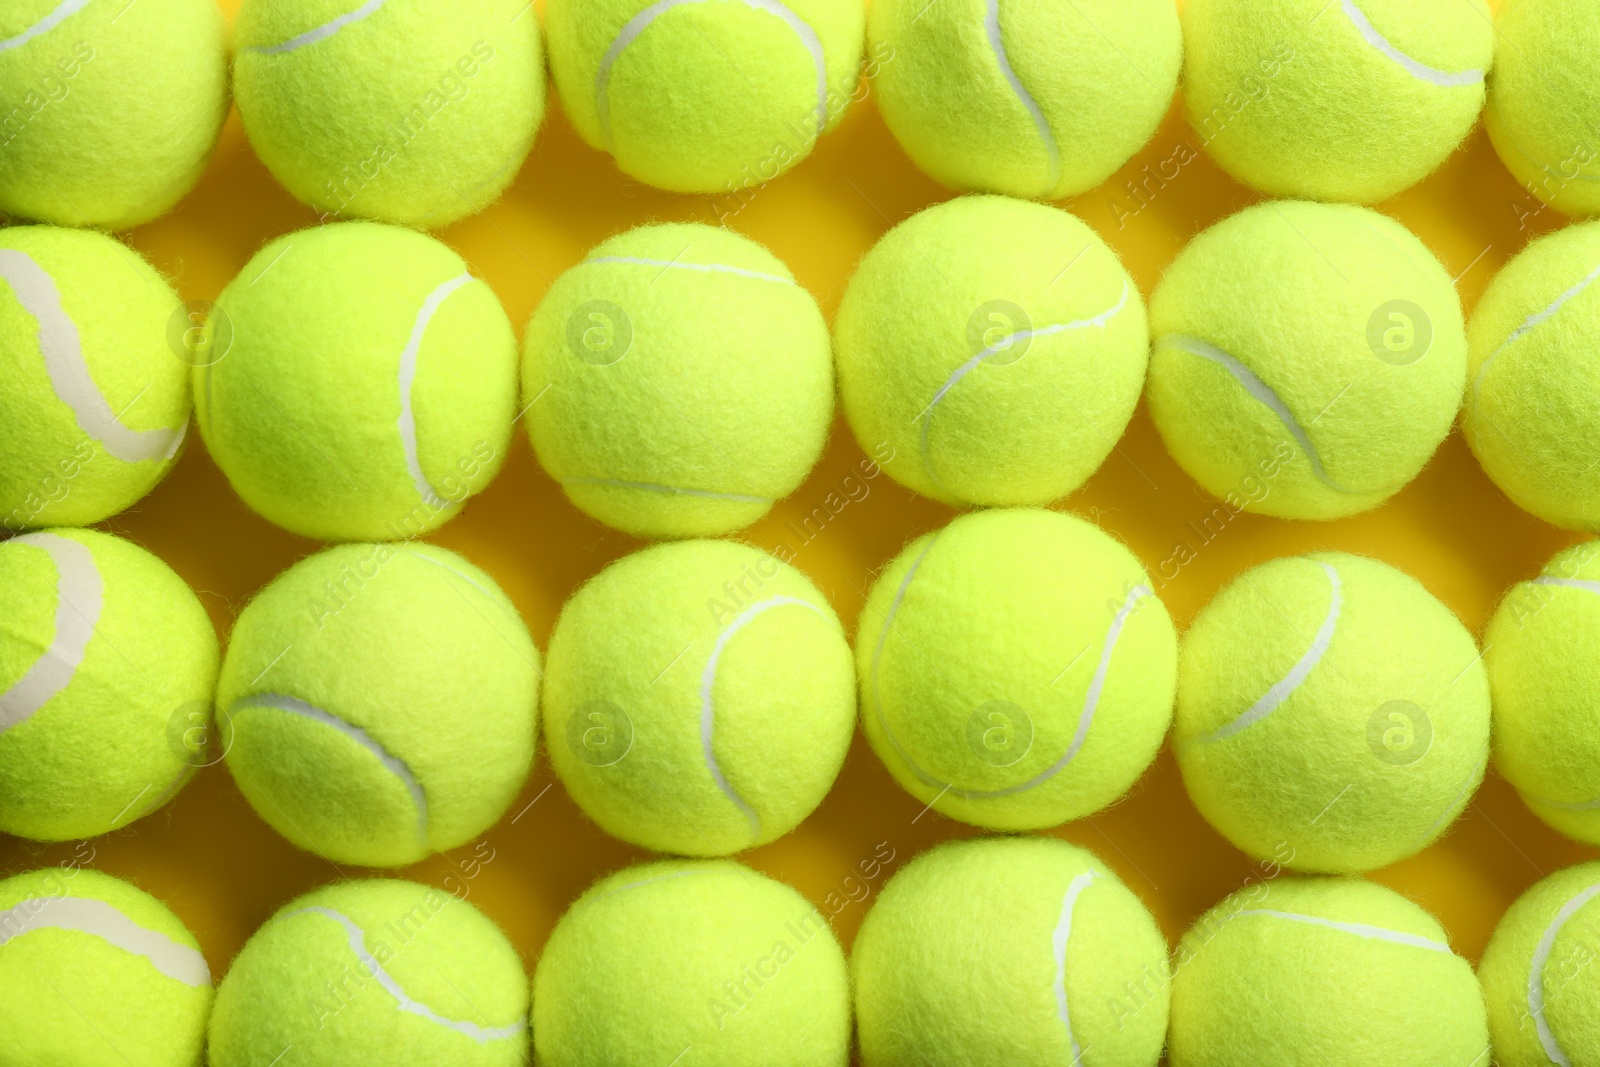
[[1017, 950]]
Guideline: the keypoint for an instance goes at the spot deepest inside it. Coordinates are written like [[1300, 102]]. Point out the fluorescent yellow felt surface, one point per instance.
[[1309, 358], [379, 703], [679, 381], [370, 385], [95, 402], [1017, 950], [704, 961], [403, 111], [1334, 99], [1038, 98], [699, 698], [991, 351], [107, 667], [370, 973]]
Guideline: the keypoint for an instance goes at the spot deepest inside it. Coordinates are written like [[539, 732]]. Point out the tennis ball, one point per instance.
[[1309, 358], [1532, 414], [704, 961], [699, 698], [1539, 976], [370, 386], [403, 112], [1017, 670], [107, 667], [678, 381], [369, 973], [1332, 971], [1540, 650], [1016, 950], [1544, 104], [94, 971], [711, 96], [1334, 99], [95, 403], [1042, 99], [110, 111], [994, 349], [1332, 715], [378, 703]]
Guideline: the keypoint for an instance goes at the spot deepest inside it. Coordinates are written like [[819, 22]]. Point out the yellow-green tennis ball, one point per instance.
[[402, 112], [1332, 715], [699, 698], [94, 971], [1017, 950], [1539, 974], [1334, 99], [95, 401], [373, 973], [679, 381], [108, 663], [1017, 670], [1309, 358], [110, 110], [1331, 971], [370, 385], [1532, 414], [704, 961], [378, 703], [1038, 98], [1541, 648], [1544, 100], [993, 349], [705, 96]]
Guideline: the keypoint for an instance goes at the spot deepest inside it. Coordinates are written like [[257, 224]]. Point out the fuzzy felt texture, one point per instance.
[[70, 998], [994, 350], [412, 114], [679, 381], [53, 472], [1016, 671], [1346, 318], [124, 734], [706, 962], [960, 962], [304, 413], [1251, 988], [1293, 98], [1532, 414], [1099, 76], [299, 983], [112, 114], [1542, 650], [417, 649], [1544, 100], [706, 96], [1567, 906], [625, 700], [1330, 742]]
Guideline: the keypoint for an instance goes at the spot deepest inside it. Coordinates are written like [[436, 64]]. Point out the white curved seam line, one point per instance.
[[408, 376], [321, 33], [395, 766], [1058, 944], [705, 268], [1375, 933], [1532, 321], [1284, 687], [1568, 583], [641, 22], [651, 487], [464, 576], [369, 963], [63, 11], [62, 349], [1432, 75], [641, 883], [708, 679], [991, 23], [877, 658], [1455, 805], [1561, 805], [1541, 956], [79, 595], [98, 918]]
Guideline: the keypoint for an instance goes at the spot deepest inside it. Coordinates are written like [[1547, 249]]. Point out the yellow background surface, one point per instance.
[[224, 872]]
